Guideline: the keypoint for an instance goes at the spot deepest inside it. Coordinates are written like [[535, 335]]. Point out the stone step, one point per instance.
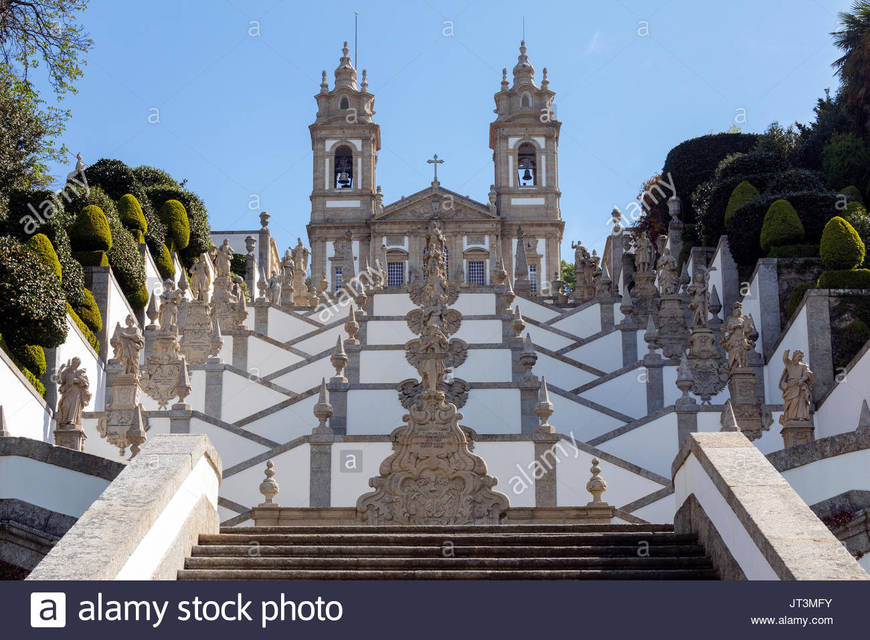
[[434, 574], [441, 529], [437, 551], [449, 563], [448, 536]]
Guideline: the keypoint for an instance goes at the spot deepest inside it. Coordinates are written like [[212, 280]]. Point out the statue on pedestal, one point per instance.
[[200, 281], [796, 384], [126, 343], [74, 390], [737, 337], [224, 259], [668, 277]]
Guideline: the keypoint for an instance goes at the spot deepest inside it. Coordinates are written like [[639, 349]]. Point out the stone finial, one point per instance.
[[152, 312], [504, 80], [545, 81], [351, 327], [269, 486], [323, 410], [182, 384], [517, 323], [365, 81], [264, 219], [603, 285], [508, 296], [528, 357], [324, 85], [685, 382], [626, 306], [137, 433], [262, 285], [863, 418], [651, 335], [339, 361], [183, 284], [216, 340], [728, 420], [544, 409], [4, 431], [715, 305], [675, 207], [596, 485]]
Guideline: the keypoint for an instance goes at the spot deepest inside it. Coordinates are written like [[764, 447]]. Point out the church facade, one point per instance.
[[351, 227]]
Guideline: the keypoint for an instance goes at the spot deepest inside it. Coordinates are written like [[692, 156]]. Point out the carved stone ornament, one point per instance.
[[162, 364], [432, 477]]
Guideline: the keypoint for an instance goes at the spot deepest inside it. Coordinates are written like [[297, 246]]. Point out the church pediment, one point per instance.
[[435, 202]]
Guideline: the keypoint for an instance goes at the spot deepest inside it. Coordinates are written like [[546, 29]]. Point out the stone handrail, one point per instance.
[[749, 519], [146, 521]]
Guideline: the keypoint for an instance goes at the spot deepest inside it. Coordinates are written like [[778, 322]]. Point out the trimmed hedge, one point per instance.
[[174, 216], [139, 298], [781, 226], [197, 218], [90, 231], [92, 339], [795, 180], [32, 379], [164, 263], [743, 193], [845, 279], [32, 357], [32, 303], [126, 260], [740, 165], [89, 313], [860, 220], [853, 193], [92, 258], [131, 216], [43, 248], [841, 246], [153, 177]]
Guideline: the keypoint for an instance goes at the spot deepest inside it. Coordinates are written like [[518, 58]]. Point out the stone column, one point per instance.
[[240, 348], [261, 316], [820, 358], [98, 280], [179, 418], [768, 297], [320, 482], [214, 385], [730, 277], [655, 390], [338, 400]]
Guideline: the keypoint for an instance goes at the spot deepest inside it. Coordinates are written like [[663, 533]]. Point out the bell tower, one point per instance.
[[345, 142], [524, 138]]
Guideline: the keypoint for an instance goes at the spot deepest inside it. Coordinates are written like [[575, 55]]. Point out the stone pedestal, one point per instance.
[[162, 366], [197, 340], [122, 425], [797, 432], [706, 363], [748, 411], [70, 437], [673, 334]]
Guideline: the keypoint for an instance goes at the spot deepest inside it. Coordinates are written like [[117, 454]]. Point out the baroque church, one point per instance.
[[523, 201]]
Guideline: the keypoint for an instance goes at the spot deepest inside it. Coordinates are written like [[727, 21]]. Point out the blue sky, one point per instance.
[[234, 109]]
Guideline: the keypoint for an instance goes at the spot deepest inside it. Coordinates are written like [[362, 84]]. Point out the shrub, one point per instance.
[[845, 160], [841, 246], [795, 180], [89, 313], [845, 279], [43, 248], [90, 231], [152, 177], [741, 165], [239, 264], [848, 342], [32, 304], [197, 218], [92, 258], [30, 377], [92, 339], [860, 220], [853, 193], [743, 193], [781, 226], [131, 216], [125, 258], [139, 298], [32, 358], [174, 217], [795, 251], [796, 295], [164, 263]]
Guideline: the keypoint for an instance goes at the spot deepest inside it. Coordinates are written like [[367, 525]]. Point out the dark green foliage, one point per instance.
[[127, 262], [153, 177], [846, 160], [239, 264], [30, 377], [845, 279], [781, 226], [566, 273], [174, 217], [197, 217], [796, 295], [848, 342], [92, 339], [860, 220], [814, 136], [753, 163], [164, 263], [32, 303], [91, 258], [841, 246], [89, 312], [139, 298], [853, 193], [795, 180], [794, 251], [90, 231], [131, 216], [743, 193], [31, 357], [42, 246]]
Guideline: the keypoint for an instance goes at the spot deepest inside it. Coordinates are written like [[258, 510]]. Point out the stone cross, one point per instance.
[[435, 162]]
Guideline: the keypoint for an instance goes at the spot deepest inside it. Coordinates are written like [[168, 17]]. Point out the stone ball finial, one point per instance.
[[596, 485], [269, 487]]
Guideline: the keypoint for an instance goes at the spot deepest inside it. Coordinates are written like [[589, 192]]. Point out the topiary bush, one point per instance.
[[743, 193], [781, 226], [845, 279], [90, 230], [164, 263], [853, 193], [89, 312], [30, 377], [197, 217], [860, 220], [43, 248], [131, 216], [92, 339], [795, 180], [841, 246], [32, 303], [139, 298], [174, 217], [153, 177], [126, 260], [32, 358]]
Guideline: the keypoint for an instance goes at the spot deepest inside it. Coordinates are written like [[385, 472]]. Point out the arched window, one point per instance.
[[527, 165], [526, 101], [343, 103], [343, 170]]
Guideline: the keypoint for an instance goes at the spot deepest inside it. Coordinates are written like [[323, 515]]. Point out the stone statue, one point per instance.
[[224, 259], [493, 210], [737, 337], [127, 342], [699, 298], [73, 387], [200, 280], [796, 384], [669, 279], [79, 170], [168, 313], [643, 255], [275, 289]]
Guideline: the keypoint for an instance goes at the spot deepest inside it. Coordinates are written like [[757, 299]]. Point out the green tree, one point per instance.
[[853, 66], [568, 275]]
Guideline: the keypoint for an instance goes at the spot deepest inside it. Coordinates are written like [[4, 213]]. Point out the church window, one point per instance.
[[533, 277], [527, 165], [343, 103], [336, 281], [343, 169], [395, 274], [476, 273], [526, 102]]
